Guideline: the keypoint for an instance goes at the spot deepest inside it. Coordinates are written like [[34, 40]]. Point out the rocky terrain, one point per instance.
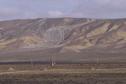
[[71, 34], [62, 35]]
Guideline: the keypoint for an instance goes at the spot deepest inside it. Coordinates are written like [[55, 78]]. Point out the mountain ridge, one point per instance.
[[70, 34]]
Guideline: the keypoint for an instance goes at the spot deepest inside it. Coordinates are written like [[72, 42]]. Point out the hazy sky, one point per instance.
[[19, 9]]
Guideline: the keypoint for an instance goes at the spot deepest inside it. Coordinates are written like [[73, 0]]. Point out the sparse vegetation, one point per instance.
[[63, 79], [61, 74]]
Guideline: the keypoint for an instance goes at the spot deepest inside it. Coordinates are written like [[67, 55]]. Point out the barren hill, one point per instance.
[[79, 39], [71, 34]]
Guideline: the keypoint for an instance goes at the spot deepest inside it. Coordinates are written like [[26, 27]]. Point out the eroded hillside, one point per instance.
[[70, 34]]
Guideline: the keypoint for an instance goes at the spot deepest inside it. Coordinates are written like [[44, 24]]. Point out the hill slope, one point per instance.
[[71, 34]]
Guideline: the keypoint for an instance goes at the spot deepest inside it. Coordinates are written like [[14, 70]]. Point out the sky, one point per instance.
[[24, 9]]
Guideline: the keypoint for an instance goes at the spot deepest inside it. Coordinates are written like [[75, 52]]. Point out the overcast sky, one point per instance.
[[20, 9]]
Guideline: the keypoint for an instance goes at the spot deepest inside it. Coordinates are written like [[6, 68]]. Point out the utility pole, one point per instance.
[[32, 63], [98, 60], [52, 61]]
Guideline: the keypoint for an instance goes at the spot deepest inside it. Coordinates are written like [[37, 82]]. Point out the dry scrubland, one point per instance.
[[62, 74], [63, 79]]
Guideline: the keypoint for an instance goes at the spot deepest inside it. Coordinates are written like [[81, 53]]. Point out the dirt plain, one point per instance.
[[62, 74]]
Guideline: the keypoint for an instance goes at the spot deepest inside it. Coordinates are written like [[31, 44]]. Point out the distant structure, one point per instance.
[[52, 61], [31, 61]]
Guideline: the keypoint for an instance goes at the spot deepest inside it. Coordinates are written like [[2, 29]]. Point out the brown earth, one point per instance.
[[68, 39], [71, 34]]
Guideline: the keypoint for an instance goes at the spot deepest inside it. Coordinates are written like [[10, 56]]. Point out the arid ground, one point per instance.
[[62, 74]]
